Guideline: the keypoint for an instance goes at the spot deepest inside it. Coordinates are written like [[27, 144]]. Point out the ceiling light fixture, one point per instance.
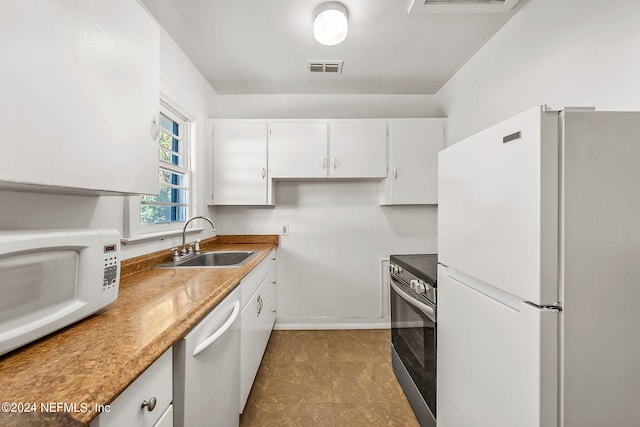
[[330, 26]]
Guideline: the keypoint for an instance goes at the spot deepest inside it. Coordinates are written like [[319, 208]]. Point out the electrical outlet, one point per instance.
[[284, 231]]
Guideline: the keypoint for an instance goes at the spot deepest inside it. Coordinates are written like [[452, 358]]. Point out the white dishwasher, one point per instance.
[[206, 379]]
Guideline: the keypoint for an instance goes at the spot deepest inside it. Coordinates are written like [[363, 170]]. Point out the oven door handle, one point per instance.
[[427, 310]]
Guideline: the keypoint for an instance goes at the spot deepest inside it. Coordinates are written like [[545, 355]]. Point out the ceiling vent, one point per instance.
[[461, 6], [333, 67]]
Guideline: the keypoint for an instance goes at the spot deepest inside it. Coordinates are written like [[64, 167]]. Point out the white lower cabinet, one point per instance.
[[206, 369], [209, 372], [257, 320], [146, 402]]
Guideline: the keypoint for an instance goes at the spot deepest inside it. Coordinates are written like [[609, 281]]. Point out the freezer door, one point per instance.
[[498, 206], [497, 357]]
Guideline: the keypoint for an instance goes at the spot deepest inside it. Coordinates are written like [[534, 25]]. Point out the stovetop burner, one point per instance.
[[423, 266]]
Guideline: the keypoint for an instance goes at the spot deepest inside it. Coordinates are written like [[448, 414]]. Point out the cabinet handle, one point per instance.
[[335, 162], [395, 173], [155, 128], [150, 404], [324, 163], [260, 304], [264, 173]]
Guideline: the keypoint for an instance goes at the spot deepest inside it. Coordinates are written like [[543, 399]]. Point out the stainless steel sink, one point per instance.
[[213, 260]]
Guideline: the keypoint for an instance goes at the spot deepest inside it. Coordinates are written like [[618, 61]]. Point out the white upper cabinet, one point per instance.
[[358, 149], [413, 162], [334, 149], [298, 150], [240, 163], [79, 95]]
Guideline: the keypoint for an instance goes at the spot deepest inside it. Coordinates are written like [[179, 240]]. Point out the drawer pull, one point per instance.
[[260, 305], [150, 404]]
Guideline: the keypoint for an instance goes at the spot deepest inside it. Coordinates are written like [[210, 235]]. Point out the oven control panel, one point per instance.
[[417, 285]]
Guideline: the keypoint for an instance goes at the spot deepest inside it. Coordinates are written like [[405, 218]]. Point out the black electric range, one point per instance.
[[413, 285]]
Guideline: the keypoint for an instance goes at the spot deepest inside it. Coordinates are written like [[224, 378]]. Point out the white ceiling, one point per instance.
[[262, 46]]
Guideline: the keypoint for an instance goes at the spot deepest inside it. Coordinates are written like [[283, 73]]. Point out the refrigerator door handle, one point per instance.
[[428, 311], [543, 307]]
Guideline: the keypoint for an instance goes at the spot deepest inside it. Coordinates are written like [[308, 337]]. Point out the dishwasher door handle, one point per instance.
[[220, 332]]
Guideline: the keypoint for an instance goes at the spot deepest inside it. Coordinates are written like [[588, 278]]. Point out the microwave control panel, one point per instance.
[[110, 268]]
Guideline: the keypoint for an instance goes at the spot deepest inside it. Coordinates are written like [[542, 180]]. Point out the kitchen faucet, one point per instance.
[[184, 230]]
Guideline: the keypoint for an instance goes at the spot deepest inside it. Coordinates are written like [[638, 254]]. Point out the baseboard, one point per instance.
[[331, 323]]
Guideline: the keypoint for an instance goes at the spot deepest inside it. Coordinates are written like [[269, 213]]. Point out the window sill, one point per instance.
[[159, 235]]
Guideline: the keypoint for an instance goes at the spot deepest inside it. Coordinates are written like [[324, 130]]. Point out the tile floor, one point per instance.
[[327, 378]]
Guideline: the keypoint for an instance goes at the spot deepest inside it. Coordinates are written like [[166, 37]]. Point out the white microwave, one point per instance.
[[52, 278]]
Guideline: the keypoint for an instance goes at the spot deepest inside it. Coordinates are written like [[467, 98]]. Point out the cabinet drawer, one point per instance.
[[253, 280], [127, 409]]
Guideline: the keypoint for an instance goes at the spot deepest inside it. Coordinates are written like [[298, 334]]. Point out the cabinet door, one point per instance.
[[413, 162], [80, 87], [298, 150], [239, 163], [358, 149], [258, 318]]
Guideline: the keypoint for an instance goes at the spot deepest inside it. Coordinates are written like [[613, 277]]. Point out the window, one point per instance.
[[172, 202], [156, 217]]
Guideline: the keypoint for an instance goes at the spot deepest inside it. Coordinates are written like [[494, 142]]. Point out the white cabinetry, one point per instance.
[[334, 149], [206, 369], [413, 162], [298, 150], [80, 89], [258, 317], [146, 402], [357, 149], [240, 163]]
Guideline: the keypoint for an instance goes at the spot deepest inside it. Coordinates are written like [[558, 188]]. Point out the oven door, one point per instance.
[[413, 336]]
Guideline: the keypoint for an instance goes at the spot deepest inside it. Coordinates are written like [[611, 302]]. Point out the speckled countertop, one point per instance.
[[94, 360]]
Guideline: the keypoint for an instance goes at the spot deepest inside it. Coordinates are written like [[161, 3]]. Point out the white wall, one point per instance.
[[325, 106], [36, 211], [329, 266], [560, 53]]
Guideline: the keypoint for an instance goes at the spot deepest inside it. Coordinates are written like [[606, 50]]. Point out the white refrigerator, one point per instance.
[[539, 275]]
